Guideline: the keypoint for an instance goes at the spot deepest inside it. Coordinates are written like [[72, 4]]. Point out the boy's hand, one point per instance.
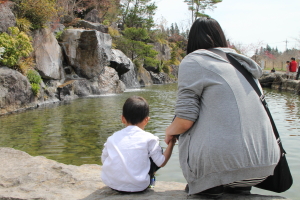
[[173, 141]]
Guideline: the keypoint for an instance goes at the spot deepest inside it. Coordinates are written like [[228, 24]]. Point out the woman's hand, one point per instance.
[[170, 138], [177, 127]]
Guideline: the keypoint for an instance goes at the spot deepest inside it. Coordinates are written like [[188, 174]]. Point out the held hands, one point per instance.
[[170, 139], [177, 127]]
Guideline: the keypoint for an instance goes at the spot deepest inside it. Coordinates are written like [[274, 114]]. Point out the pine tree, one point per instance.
[[138, 13], [176, 29], [172, 29], [198, 7]]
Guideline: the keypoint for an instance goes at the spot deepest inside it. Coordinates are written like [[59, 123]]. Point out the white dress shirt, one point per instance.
[[125, 159]]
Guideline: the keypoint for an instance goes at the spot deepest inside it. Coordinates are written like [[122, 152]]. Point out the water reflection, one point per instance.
[[75, 133]]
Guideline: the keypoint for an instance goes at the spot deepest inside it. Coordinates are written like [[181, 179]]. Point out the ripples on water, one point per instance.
[[75, 133]]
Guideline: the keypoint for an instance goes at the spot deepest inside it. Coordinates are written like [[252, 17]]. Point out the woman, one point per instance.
[[225, 133]]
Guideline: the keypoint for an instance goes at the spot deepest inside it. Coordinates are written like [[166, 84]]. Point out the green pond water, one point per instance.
[[74, 133]]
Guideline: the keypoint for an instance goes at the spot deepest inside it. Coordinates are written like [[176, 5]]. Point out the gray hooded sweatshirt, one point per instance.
[[232, 137]]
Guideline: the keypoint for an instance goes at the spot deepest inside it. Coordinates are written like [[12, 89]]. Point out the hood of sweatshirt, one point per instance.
[[246, 62]]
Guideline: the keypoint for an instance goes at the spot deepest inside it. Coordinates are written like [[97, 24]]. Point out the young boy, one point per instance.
[[131, 156]]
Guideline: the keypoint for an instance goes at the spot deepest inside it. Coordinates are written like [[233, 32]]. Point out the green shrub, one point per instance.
[[172, 76], [35, 88], [34, 77], [58, 34], [106, 22], [24, 25], [35, 80], [166, 69], [17, 45], [38, 12]]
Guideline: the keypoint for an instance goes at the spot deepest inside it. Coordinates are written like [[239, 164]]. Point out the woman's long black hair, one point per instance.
[[205, 33]]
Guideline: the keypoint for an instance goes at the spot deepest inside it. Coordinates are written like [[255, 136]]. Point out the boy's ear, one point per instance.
[[123, 120], [147, 119]]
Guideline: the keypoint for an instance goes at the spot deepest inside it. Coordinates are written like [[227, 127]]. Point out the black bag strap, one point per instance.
[[250, 79]]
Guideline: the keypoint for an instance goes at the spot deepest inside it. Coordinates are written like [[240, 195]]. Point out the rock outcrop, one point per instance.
[[120, 62], [48, 55], [164, 51], [109, 82], [161, 78], [144, 77], [87, 51], [24, 177], [93, 16], [15, 91], [81, 63], [279, 81], [7, 17], [94, 26]]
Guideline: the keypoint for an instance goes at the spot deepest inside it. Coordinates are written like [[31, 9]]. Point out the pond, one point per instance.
[[74, 133]]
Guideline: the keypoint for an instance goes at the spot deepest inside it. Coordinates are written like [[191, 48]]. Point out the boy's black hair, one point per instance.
[[205, 33], [135, 110], [292, 58]]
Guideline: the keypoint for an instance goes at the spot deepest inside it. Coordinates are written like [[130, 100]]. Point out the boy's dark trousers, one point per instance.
[[153, 169]]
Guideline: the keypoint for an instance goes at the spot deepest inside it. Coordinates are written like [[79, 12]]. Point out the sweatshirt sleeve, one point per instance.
[[155, 151], [190, 87]]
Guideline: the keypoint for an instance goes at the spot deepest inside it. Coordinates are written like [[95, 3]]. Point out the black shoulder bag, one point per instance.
[[282, 179]]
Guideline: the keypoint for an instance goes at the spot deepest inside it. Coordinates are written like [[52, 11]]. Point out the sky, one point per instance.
[[246, 23]]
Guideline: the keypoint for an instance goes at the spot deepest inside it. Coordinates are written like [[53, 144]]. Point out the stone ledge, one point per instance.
[[24, 177]]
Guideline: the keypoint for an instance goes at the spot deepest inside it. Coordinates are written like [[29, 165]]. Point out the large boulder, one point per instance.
[[144, 77], [125, 68], [87, 51], [160, 78], [277, 83], [267, 79], [106, 83], [164, 51], [120, 62], [57, 27], [94, 26], [15, 91], [93, 16], [290, 85], [130, 78], [7, 18], [48, 55], [109, 82], [72, 89], [24, 177]]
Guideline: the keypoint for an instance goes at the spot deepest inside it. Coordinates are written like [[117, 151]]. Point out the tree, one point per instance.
[[172, 30], [132, 44], [198, 7], [176, 29], [138, 13]]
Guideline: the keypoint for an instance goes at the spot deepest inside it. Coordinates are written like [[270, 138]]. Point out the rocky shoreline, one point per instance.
[[279, 81], [81, 61], [24, 177]]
